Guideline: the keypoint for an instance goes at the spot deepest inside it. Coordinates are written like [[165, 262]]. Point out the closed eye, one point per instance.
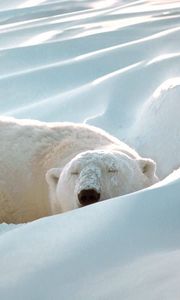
[[74, 173], [112, 171]]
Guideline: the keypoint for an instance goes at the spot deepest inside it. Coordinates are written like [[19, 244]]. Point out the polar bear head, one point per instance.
[[97, 175]]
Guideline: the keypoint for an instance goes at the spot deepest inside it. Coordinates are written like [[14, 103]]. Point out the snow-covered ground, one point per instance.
[[100, 62]]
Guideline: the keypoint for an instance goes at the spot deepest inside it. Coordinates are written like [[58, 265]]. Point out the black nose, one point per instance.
[[87, 197]]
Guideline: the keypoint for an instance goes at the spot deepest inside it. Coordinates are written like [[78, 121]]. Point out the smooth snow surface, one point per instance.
[[156, 131], [103, 63]]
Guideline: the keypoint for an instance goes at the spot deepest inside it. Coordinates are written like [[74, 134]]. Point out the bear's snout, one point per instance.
[[87, 197]]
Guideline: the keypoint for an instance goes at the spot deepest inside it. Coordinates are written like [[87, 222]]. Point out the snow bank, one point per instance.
[[156, 131], [117, 248]]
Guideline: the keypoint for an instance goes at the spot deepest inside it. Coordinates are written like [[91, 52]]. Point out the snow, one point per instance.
[[99, 62], [153, 123]]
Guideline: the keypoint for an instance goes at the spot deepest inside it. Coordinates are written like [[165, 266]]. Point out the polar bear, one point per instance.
[[156, 131], [49, 168]]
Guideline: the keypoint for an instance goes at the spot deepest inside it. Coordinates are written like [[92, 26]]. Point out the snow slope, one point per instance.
[[97, 62], [124, 248]]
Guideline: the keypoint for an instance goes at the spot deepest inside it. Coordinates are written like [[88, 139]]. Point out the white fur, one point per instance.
[[110, 173], [70, 157], [156, 132]]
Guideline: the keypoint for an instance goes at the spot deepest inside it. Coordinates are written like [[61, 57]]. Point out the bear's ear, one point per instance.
[[148, 167], [52, 176]]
